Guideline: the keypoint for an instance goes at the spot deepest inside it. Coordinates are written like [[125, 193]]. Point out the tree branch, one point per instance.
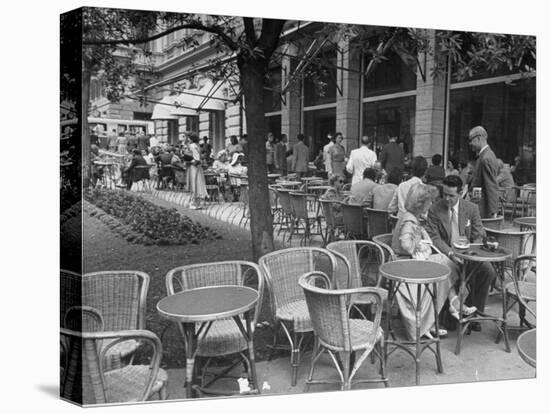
[[217, 30], [269, 39], [249, 30]]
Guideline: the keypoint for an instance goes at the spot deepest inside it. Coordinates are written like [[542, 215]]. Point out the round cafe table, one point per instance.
[[421, 276], [526, 223], [477, 254], [196, 309], [527, 347]]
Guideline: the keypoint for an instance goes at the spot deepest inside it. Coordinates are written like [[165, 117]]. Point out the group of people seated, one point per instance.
[[430, 219], [426, 230]]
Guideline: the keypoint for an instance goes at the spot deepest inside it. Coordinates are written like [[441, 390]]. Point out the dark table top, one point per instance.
[[478, 253], [208, 303], [527, 347], [415, 271]]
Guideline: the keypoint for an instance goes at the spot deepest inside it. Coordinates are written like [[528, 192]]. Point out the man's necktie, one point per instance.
[[455, 234]]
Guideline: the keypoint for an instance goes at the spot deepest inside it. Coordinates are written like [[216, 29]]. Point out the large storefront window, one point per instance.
[[273, 125], [387, 118], [390, 76], [508, 112], [317, 124]]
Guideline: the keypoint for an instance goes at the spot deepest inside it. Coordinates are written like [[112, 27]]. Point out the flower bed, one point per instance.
[[147, 222]]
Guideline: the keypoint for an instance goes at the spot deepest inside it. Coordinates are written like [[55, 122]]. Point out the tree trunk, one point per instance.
[[85, 159], [261, 220]]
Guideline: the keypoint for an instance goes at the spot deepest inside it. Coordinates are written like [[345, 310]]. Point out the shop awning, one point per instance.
[[163, 109], [184, 104]]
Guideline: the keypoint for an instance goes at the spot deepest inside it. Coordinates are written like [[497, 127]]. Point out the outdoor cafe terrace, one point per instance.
[[319, 313]]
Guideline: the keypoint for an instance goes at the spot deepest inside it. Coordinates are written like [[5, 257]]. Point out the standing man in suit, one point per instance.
[[300, 157], [485, 172], [450, 218], [392, 155], [359, 160]]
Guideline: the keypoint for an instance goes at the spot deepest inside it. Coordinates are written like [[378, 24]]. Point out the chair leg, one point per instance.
[[295, 357], [345, 359]]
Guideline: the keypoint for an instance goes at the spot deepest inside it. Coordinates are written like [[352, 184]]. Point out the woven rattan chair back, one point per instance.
[[128, 384], [384, 241], [517, 241], [524, 267], [377, 222], [284, 200], [70, 294], [329, 311], [298, 202], [354, 224], [283, 268], [234, 273], [494, 223], [326, 208], [364, 258], [120, 297]]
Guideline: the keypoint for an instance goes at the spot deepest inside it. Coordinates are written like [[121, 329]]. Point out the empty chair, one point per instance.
[[494, 223], [120, 298], [301, 214], [519, 242], [355, 227], [286, 209], [282, 270], [85, 379], [224, 336], [523, 289], [348, 341], [276, 209]]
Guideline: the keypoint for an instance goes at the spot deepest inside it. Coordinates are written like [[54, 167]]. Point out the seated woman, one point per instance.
[[133, 174], [336, 193], [411, 240], [221, 164]]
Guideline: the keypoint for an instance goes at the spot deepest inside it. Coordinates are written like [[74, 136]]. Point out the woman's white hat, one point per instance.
[[236, 157]]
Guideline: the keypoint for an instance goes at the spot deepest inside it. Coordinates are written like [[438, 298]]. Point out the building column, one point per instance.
[[291, 107], [430, 106], [347, 103]]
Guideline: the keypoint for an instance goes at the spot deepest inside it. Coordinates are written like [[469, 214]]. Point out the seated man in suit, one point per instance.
[[451, 217]]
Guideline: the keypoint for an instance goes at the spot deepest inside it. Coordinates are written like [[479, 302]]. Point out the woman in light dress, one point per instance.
[[337, 154], [195, 177], [411, 240]]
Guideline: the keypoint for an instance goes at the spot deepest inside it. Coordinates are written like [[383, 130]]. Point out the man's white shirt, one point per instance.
[[360, 159]]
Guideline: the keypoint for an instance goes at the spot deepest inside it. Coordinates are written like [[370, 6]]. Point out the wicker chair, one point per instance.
[[385, 241], [493, 223], [516, 241], [276, 209], [377, 222], [339, 335], [355, 226], [364, 258], [244, 201], [286, 209], [333, 224], [299, 204], [224, 337], [119, 296], [521, 290], [84, 377], [282, 270]]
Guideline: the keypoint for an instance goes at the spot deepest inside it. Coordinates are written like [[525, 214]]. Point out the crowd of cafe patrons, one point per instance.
[[381, 176]]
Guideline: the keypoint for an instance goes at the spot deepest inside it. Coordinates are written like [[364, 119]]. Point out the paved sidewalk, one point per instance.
[[480, 360]]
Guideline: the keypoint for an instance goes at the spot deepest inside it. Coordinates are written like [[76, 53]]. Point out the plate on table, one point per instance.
[[461, 246]]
